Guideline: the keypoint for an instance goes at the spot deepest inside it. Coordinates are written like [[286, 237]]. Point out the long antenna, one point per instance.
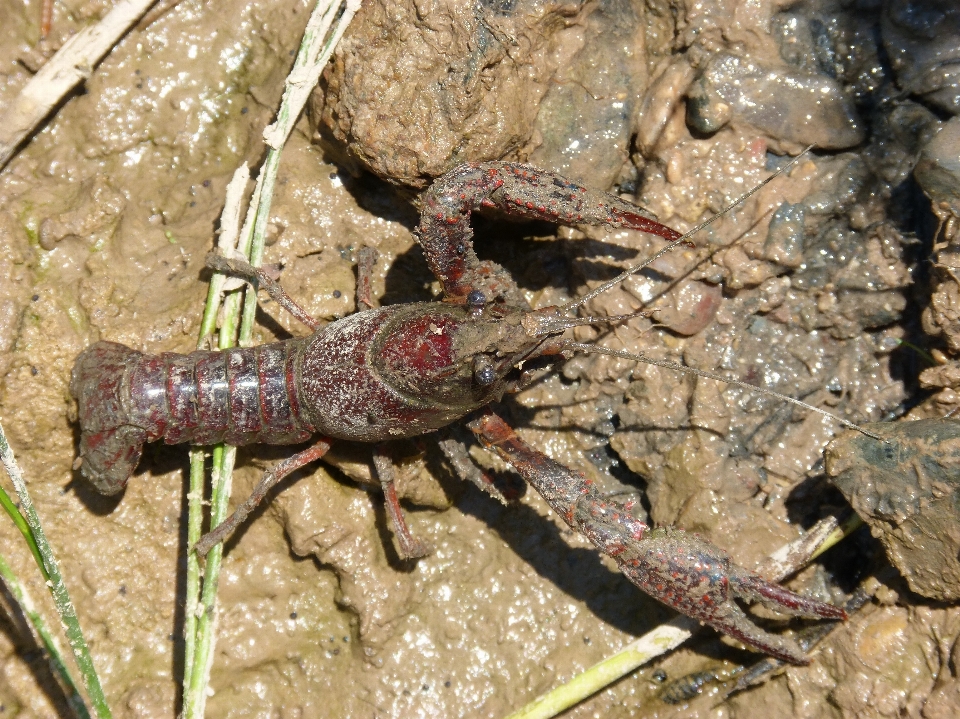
[[573, 304], [593, 349]]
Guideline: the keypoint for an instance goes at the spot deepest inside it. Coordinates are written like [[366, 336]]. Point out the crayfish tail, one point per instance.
[[111, 456], [110, 448]]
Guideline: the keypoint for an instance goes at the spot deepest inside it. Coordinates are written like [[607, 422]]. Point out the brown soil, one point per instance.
[[809, 288]]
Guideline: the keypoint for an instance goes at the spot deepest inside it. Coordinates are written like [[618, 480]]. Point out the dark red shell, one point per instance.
[[394, 372]]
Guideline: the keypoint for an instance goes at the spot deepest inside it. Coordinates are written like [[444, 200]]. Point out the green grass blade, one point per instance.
[[54, 656], [201, 630], [601, 675], [54, 580], [21, 524]]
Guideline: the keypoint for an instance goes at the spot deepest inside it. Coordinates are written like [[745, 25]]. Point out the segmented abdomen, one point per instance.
[[126, 398], [239, 396]]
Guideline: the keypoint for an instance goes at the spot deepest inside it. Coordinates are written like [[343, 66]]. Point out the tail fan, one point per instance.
[[110, 448]]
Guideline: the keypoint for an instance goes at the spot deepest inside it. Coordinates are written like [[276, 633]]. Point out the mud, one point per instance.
[[815, 287], [906, 489]]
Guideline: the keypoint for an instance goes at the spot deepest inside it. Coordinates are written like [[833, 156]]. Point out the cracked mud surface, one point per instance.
[[811, 288]]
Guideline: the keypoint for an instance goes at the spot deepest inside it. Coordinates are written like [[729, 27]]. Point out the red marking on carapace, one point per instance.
[[423, 346]]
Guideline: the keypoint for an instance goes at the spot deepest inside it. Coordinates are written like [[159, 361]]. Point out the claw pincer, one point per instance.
[[681, 570], [445, 234]]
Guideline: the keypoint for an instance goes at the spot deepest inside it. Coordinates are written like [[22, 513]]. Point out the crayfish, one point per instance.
[[409, 369]]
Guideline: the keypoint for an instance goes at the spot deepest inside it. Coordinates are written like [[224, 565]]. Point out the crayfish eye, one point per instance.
[[486, 376], [483, 372], [476, 299]]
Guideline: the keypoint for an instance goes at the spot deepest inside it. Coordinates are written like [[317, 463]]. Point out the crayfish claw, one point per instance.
[[699, 579], [680, 569], [754, 588], [751, 587], [732, 621]]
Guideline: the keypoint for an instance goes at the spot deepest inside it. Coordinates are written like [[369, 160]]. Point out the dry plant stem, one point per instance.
[[787, 560], [314, 51], [157, 12], [796, 555], [58, 590], [71, 65], [54, 655], [226, 244], [311, 59]]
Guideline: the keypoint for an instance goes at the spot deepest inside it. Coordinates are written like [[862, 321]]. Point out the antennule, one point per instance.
[[573, 304], [542, 324], [592, 349]]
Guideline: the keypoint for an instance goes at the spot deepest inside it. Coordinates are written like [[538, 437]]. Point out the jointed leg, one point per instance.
[[366, 261], [461, 463], [257, 277], [410, 546], [222, 532]]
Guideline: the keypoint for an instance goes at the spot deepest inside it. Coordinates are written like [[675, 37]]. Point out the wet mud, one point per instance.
[[906, 489], [836, 283]]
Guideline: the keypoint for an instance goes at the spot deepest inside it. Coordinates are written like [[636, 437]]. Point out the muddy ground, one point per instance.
[[821, 286]]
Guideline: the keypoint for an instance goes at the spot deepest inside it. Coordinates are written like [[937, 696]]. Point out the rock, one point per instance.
[[586, 118], [691, 306], [938, 171], [799, 107], [908, 490], [945, 375], [784, 243], [922, 40], [662, 98]]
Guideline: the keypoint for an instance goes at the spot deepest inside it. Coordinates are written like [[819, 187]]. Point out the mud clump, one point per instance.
[[922, 41], [411, 96], [772, 101], [908, 490]]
